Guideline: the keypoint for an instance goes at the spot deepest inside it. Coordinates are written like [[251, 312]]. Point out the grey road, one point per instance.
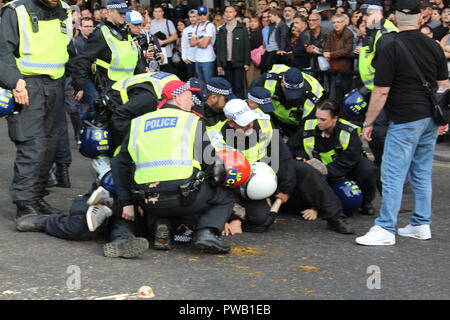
[[295, 260]]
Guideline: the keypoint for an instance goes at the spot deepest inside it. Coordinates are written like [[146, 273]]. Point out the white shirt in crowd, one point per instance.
[[188, 52], [206, 29]]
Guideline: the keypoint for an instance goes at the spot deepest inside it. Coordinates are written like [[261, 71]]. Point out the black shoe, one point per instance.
[[25, 208], [125, 248], [208, 241], [45, 208], [250, 227], [31, 223], [340, 225], [367, 209], [163, 237], [62, 175]]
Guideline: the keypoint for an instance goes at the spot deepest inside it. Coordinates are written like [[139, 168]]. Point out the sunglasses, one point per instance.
[[202, 14]]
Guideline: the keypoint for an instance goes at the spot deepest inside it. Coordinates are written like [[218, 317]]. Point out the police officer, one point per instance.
[[168, 177], [336, 143], [379, 32], [219, 92], [136, 96], [299, 184], [294, 95], [26, 25], [111, 47]]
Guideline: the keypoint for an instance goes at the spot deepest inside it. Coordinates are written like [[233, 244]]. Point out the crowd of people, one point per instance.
[[182, 109]]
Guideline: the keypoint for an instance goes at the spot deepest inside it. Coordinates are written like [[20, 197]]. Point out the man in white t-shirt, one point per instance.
[[165, 31], [188, 52], [203, 40]]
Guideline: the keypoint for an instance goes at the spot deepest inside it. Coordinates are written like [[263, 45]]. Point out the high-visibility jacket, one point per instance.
[[289, 115], [309, 141], [157, 79], [254, 153], [124, 56], [42, 43], [162, 145], [367, 54]]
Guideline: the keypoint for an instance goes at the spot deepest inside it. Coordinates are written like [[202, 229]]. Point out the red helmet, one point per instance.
[[231, 168]]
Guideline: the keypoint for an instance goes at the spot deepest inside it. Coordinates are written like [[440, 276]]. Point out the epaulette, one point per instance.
[[273, 76], [346, 127], [13, 4]]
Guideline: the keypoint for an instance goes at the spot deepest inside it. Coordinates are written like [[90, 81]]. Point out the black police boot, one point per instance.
[[125, 248], [367, 209], [45, 208], [163, 236], [208, 241], [62, 175], [340, 225], [250, 227], [26, 208], [31, 223]]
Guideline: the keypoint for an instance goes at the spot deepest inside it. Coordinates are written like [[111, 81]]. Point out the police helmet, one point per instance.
[[231, 168], [107, 182], [6, 102], [350, 195], [262, 183], [356, 102], [94, 140]]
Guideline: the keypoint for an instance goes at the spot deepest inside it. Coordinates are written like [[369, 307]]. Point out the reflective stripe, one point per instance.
[[26, 43], [121, 69], [134, 146], [185, 145], [344, 139], [41, 65], [164, 163], [112, 46], [308, 143]]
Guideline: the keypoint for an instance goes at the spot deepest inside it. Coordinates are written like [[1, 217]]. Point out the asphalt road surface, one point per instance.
[[295, 260]]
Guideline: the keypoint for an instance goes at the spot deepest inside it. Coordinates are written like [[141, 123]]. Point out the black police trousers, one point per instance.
[[36, 132], [212, 208]]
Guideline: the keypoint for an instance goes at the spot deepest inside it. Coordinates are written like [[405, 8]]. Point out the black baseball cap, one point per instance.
[[408, 6]]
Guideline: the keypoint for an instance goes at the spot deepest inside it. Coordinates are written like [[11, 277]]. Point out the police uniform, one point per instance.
[[114, 53], [341, 153], [257, 147], [25, 26], [311, 189], [166, 176], [136, 96], [290, 116]]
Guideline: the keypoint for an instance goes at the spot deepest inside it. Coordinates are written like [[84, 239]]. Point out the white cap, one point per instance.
[[238, 111]]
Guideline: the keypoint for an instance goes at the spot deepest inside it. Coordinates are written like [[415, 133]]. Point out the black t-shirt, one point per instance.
[[408, 100]]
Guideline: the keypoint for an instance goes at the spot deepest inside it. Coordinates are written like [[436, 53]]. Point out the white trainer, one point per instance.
[[377, 236], [96, 215], [99, 196], [422, 232]]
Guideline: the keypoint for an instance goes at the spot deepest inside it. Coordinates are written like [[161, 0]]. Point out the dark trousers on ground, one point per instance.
[[313, 191], [236, 76], [212, 208], [36, 132], [73, 226]]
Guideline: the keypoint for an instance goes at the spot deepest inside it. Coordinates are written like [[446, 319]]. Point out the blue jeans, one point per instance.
[[408, 151], [205, 70]]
